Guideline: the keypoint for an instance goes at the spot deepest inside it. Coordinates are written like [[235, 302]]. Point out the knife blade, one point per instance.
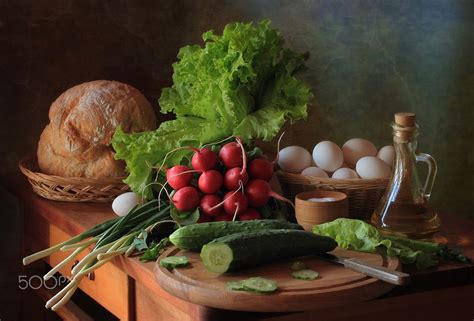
[[378, 272]]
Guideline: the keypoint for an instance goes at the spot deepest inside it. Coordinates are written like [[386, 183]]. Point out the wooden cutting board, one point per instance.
[[335, 285]]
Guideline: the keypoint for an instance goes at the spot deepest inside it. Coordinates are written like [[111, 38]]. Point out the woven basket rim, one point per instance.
[[333, 181], [29, 167]]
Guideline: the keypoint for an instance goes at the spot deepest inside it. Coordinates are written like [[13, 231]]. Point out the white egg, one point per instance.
[[345, 173], [314, 171], [372, 167], [123, 203], [327, 156], [294, 159], [387, 154], [356, 148]]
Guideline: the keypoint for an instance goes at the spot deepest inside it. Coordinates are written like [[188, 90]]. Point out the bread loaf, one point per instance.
[[82, 122]]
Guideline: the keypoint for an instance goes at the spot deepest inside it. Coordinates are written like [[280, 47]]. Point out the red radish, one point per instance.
[[208, 202], [235, 202], [233, 176], [203, 218], [186, 199], [250, 214], [259, 192], [224, 217], [179, 176], [210, 181], [261, 168], [204, 159], [231, 155]]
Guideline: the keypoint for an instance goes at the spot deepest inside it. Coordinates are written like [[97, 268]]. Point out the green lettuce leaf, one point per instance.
[[353, 235], [284, 98], [360, 236], [240, 83]]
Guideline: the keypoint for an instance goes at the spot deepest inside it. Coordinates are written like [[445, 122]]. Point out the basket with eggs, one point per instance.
[[357, 169]]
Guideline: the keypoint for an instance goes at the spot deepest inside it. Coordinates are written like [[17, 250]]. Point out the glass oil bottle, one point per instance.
[[403, 210]]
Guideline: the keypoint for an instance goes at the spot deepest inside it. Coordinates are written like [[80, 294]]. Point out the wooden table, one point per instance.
[[127, 289]]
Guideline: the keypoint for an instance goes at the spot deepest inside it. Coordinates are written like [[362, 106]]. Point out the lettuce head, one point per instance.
[[239, 83]]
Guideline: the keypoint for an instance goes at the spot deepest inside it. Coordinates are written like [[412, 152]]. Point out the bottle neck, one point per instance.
[[405, 176], [405, 135]]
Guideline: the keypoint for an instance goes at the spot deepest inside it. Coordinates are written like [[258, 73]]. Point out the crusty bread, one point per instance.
[[82, 122]]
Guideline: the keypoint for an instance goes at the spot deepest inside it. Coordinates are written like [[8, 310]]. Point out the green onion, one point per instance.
[[112, 238], [96, 230]]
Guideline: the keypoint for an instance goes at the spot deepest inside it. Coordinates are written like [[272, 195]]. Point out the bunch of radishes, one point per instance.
[[222, 186]]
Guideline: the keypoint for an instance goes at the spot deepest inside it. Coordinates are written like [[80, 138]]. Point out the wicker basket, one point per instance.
[[70, 189], [363, 194]]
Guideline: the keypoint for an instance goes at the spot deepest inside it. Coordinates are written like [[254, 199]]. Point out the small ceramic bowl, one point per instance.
[[316, 207]]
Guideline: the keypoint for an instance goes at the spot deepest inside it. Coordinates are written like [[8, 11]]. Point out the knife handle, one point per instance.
[[378, 272]]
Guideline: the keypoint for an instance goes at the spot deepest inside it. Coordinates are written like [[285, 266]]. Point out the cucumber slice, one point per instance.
[[171, 262], [217, 257], [235, 286], [307, 274], [260, 285], [298, 265], [255, 284]]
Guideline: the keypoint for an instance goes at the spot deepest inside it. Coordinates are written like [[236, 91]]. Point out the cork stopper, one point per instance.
[[405, 119]]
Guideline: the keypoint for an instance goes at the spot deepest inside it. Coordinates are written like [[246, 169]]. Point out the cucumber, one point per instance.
[[307, 274], [240, 250], [193, 237], [171, 262]]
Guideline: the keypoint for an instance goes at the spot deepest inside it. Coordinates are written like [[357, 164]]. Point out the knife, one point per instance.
[[378, 272]]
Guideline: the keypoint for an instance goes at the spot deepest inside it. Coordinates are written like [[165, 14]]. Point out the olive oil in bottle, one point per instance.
[[403, 210]]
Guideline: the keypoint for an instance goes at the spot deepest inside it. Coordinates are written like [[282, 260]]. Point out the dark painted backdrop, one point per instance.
[[369, 59]]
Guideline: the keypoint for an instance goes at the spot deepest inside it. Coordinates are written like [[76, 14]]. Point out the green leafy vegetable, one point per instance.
[[353, 234], [240, 83], [455, 255], [254, 153], [154, 250], [307, 274], [184, 218], [361, 236], [140, 241], [172, 262]]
